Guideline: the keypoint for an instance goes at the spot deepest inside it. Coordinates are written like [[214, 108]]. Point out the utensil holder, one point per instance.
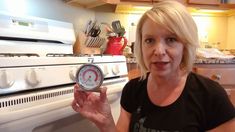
[[88, 45], [94, 42]]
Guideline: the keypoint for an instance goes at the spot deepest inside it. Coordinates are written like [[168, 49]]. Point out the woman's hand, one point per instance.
[[94, 107]]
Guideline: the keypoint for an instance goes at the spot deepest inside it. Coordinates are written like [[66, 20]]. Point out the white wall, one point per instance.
[[215, 28], [231, 33], [212, 29]]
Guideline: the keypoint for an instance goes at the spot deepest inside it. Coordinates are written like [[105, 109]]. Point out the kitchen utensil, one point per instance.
[[88, 27], [95, 31], [115, 46], [108, 27], [89, 77], [118, 28], [91, 26], [112, 35], [122, 31]]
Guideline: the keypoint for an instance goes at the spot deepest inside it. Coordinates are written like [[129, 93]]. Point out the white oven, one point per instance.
[[37, 74]]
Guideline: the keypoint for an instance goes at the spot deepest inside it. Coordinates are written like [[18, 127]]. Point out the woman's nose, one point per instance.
[[159, 49]]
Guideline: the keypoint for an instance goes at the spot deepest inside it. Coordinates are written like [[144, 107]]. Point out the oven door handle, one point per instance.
[[113, 92], [32, 111], [114, 89], [117, 86]]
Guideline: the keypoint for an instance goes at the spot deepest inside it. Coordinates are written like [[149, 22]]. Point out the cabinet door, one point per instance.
[[136, 0], [225, 76], [204, 2], [133, 70], [150, 1]]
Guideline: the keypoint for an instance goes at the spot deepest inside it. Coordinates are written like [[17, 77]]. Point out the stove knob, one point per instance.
[[72, 73], [6, 80], [115, 69], [105, 70], [32, 77]]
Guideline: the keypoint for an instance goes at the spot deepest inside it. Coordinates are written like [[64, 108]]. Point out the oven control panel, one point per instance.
[[25, 78]]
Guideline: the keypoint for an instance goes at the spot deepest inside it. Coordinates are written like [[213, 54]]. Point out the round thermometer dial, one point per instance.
[[89, 77]]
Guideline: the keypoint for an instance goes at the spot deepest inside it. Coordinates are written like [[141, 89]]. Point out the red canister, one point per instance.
[[115, 46]]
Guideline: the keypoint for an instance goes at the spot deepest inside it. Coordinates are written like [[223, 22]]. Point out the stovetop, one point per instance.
[[20, 60], [48, 55], [24, 73]]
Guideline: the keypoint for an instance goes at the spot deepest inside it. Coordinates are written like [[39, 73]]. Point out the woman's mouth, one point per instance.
[[161, 65]]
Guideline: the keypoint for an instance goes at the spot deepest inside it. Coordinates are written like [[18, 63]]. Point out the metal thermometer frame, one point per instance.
[[95, 89]]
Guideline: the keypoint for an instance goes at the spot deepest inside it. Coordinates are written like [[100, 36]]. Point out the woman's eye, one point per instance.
[[149, 41], [171, 40]]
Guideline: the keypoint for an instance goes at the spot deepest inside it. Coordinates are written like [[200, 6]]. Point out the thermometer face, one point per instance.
[[89, 77]]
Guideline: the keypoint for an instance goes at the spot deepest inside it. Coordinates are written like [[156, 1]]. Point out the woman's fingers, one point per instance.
[[82, 98], [79, 96], [78, 89], [103, 95], [75, 106]]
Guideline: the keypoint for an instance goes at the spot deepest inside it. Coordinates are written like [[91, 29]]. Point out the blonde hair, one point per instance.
[[175, 18]]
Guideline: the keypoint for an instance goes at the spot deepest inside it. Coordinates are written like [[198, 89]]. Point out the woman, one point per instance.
[[168, 97]]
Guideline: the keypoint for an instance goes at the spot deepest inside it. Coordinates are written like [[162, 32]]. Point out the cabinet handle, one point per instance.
[[216, 77], [228, 91]]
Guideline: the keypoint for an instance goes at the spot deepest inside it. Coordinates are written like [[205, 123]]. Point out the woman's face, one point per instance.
[[162, 50]]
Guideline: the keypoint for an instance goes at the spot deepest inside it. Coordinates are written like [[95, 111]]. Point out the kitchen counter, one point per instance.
[[130, 60], [215, 61], [198, 61], [220, 70], [134, 71]]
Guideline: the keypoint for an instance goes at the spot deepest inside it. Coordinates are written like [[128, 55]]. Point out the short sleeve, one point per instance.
[[127, 97], [132, 94]]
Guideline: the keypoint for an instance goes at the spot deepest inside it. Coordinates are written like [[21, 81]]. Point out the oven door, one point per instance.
[[50, 111]]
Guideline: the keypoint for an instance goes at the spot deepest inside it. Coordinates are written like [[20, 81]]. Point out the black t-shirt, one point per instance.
[[203, 105]]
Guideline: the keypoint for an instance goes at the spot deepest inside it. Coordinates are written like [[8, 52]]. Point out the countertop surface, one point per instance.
[[215, 61], [199, 61]]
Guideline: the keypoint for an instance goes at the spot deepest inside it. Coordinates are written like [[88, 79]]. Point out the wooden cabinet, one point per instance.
[[222, 73], [137, 0], [90, 3], [133, 70], [146, 1], [204, 2], [208, 4], [199, 4]]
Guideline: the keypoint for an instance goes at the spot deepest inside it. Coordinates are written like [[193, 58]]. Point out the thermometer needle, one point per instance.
[[88, 79]]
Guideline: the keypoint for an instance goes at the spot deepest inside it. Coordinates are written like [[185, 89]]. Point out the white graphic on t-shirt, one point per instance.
[[139, 127]]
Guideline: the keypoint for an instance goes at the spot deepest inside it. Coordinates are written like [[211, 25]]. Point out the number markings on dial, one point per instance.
[[89, 77]]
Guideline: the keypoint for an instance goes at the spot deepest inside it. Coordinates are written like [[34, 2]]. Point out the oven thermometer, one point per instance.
[[89, 77]]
